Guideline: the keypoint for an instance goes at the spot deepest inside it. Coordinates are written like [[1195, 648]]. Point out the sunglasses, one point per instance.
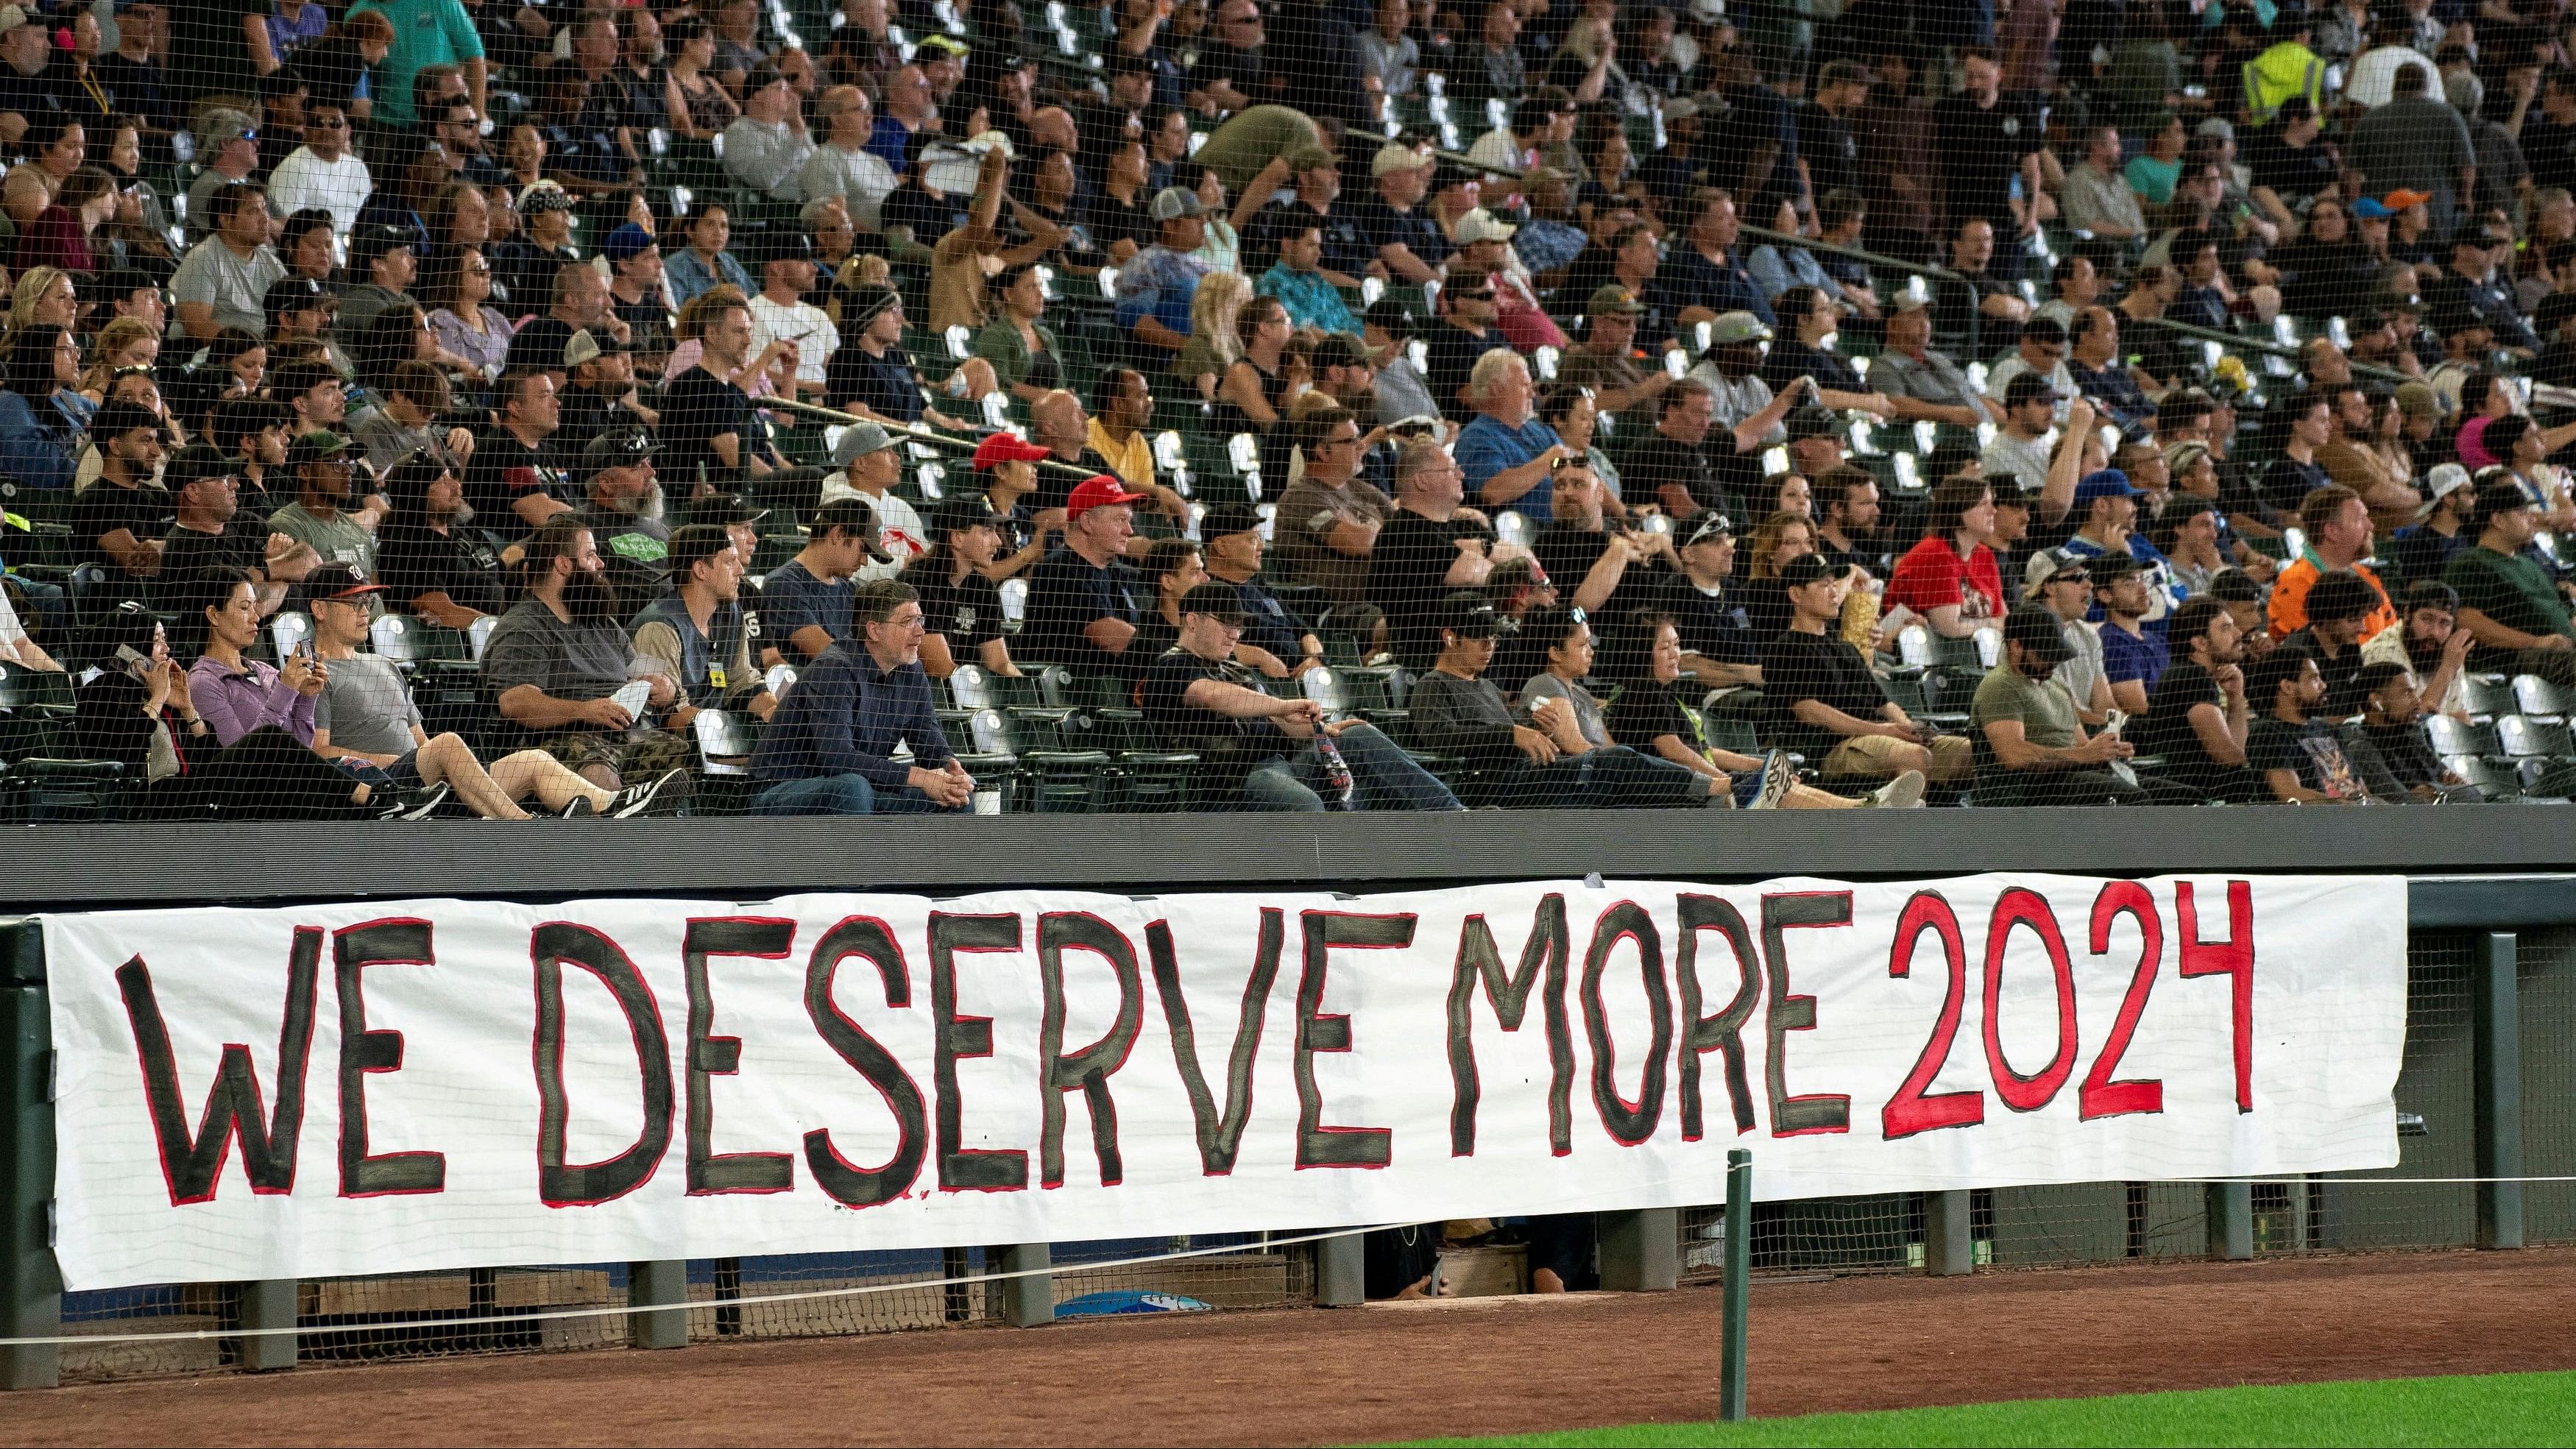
[[334, 124]]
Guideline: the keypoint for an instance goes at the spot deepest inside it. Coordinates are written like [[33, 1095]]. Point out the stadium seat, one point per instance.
[[2537, 698], [36, 710], [41, 791], [2487, 695], [725, 740]]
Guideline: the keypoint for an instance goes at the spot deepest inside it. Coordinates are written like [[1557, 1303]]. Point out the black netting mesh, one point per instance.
[[553, 371]]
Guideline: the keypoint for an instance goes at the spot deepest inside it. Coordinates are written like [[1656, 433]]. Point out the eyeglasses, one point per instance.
[[478, 271]]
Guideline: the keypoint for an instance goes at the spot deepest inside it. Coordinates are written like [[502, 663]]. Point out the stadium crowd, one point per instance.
[[613, 408]]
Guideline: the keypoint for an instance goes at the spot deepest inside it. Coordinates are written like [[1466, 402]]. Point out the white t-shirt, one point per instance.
[[900, 531], [802, 323], [304, 180]]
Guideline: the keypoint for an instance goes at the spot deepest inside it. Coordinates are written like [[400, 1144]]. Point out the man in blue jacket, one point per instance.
[[829, 748]]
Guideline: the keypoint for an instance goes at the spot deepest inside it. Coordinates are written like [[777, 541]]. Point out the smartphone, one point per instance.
[[2111, 722]]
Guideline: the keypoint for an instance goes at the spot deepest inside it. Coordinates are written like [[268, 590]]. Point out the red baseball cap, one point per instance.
[[1005, 448], [1095, 491]]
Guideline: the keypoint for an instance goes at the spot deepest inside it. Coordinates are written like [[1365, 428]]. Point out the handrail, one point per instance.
[[900, 430], [2257, 344]]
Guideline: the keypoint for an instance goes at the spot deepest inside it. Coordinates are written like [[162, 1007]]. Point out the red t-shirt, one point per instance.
[[1933, 576]]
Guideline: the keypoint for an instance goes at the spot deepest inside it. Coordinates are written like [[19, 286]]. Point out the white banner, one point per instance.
[[369, 1089]]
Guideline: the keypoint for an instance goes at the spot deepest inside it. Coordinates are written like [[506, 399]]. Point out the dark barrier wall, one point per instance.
[[96, 866]]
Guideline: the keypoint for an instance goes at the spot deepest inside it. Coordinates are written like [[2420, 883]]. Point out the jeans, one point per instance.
[[1615, 778], [1384, 777], [841, 795]]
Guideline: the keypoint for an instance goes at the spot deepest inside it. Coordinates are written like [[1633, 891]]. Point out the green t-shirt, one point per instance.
[[426, 33], [2044, 708], [2512, 590]]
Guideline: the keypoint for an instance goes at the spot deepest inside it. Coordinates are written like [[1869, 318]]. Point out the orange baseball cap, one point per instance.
[[2400, 200], [1097, 491], [1006, 448]]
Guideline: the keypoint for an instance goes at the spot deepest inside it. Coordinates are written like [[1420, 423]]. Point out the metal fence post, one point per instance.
[[1641, 1250], [1028, 1302], [1736, 1310], [267, 1304], [1341, 1271], [31, 1284], [2231, 1221], [651, 1285], [1949, 1235], [2497, 1078]]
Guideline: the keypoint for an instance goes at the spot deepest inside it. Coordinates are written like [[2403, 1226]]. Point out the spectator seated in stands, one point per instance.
[[41, 414], [510, 485], [1156, 288], [1719, 643], [125, 517], [2039, 751], [780, 313], [829, 748], [805, 602], [2198, 720], [2429, 642], [1680, 466], [1505, 451], [558, 664], [388, 258], [961, 609], [1608, 571], [2392, 724], [1297, 281], [1654, 708], [2066, 591], [1821, 700], [2298, 756], [866, 464], [2093, 342], [2341, 608], [2420, 550], [2336, 523], [1260, 752], [1951, 580], [2106, 511], [212, 530], [1919, 383], [872, 375], [1329, 519], [431, 559], [225, 278], [766, 147], [1084, 600], [2509, 602], [324, 514], [2134, 656], [694, 635], [365, 721], [1271, 637]]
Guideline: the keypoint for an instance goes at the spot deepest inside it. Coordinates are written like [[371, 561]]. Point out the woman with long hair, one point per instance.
[[123, 343], [61, 236], [262, 716], [140, 229], [1253, 395], [1951, 578], [1214, 346], [703, 261], [44, 296], [467, 326], [1017, 341], [700, 108], [305, 244], [1576, 416], [1776, 540]]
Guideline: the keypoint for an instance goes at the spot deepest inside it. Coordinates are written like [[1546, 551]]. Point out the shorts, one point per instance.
[[1866, 756], [636, 759], [402, 774]]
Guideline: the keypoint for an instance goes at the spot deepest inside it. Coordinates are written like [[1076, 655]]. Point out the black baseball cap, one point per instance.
[[1813, 423], [692, 543], [855, 515], [1470, 615], [338, 581], [296, 294], [1805, 569], [2028, 387], [956, 515], [1220, 602], [2110, 566], [725, 508], [1227, 518], [618, 447], [2040, 635], [366, 243]]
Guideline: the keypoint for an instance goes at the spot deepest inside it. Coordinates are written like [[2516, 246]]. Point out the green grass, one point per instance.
[[2467, 1410]]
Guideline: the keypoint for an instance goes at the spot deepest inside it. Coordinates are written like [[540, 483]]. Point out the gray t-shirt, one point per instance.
[[1587, 710], [337, 538], [563, 658], [366, 707], [236, 287], [2082, 672]]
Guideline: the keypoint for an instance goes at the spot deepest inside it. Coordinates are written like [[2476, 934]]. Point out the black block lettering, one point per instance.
[[850, 1185], [1219, 1136], [962, 1169], [1818, 1112], [1724, 1032], [553, 946], [191, 1166], [712, 1056], [1317, 1144], [1542, 965], [365, 1174]]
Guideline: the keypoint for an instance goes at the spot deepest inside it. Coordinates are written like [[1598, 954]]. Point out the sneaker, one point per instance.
[[1900, 793], [419, 807], [665, 796], [1777, 776], [579, 807]]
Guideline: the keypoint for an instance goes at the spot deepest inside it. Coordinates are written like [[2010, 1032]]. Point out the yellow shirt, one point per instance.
[[1133, 462]]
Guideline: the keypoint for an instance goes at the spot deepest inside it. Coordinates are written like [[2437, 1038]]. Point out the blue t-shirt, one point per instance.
[[1159, 283], [791, 598], [2141, 656], [1486, 447]]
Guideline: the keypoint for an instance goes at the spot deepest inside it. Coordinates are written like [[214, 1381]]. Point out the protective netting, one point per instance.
[[505, 409]]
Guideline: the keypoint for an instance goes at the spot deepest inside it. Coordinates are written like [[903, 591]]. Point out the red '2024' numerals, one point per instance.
[[1915, 1108]]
